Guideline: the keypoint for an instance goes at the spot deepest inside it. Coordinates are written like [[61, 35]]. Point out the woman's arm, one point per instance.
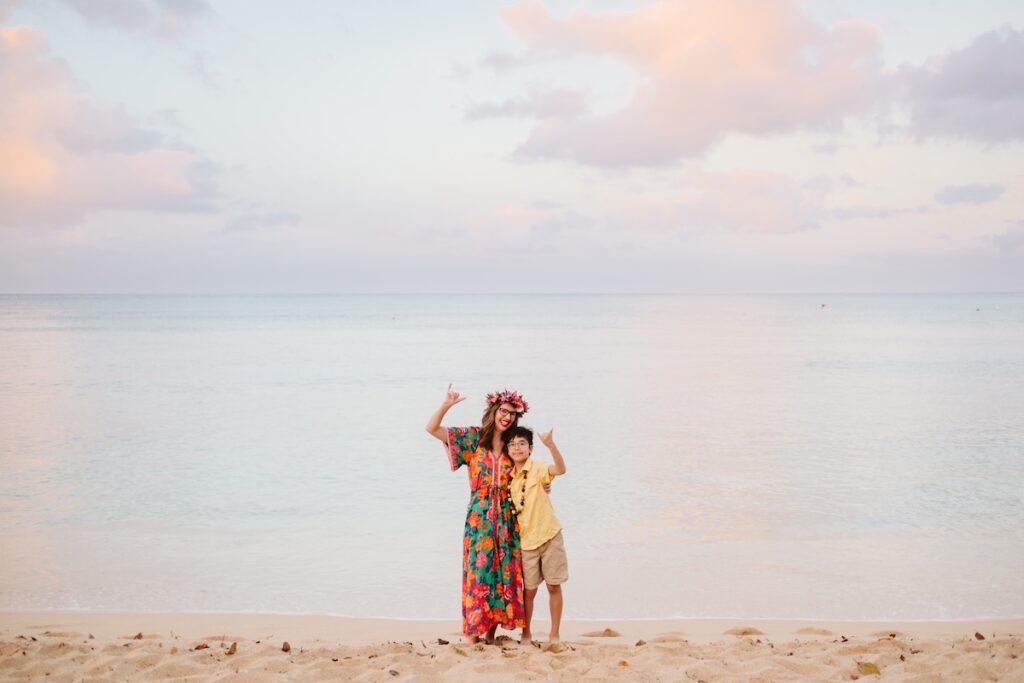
[[434, 426], [547, 438]]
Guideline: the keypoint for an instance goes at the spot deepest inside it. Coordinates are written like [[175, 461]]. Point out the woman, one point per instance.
[[492, 572]]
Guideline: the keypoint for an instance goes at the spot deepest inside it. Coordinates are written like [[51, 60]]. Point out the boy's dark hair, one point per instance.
[[524, 432]]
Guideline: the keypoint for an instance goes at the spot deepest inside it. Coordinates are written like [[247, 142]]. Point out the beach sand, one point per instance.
[[90, 646]]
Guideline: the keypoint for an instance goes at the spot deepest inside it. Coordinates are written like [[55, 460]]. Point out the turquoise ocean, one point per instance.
[[789, 456]]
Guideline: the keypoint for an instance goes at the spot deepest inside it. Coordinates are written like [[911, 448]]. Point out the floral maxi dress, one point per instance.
[[492, 563]]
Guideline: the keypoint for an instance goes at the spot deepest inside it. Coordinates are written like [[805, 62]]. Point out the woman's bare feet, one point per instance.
[[490, 635]]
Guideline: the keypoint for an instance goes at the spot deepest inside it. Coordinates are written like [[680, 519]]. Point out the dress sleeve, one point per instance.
[[461, 445]]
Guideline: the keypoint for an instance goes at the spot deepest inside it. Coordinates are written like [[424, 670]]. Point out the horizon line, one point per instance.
[[548, 293]]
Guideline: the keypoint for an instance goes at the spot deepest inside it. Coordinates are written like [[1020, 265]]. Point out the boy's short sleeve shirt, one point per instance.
[[537, 521]]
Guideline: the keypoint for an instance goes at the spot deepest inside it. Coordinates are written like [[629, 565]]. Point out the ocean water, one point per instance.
[[848, 457]]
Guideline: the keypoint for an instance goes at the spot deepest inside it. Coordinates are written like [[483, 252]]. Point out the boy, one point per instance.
[[539, 530]]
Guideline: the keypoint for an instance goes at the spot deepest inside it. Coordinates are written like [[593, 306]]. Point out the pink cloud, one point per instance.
[[64, 155], [710, 67]]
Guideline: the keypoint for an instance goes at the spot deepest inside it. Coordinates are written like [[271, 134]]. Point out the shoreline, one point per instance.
[[71, 611], [116, 646], [371, 630]]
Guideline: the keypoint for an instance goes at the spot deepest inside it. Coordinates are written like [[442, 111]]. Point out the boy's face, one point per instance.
[[519, 449]]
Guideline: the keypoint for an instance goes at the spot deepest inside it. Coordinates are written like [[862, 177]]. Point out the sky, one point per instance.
[[698, 146]]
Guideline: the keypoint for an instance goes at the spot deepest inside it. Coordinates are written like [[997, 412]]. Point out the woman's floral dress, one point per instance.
[[492, 563]]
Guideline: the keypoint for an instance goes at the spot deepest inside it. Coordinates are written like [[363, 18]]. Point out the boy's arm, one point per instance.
[[558, 468], [434, 426]]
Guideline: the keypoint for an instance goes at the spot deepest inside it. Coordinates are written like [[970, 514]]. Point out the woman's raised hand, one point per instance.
[[452, 397]]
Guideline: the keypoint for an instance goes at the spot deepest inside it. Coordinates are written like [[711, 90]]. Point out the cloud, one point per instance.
[[5, 8], [458, 71], [751, 201], [553, 104], [709, 68], [253, 221], [502, 60], [969, 194], [975, 93], [545, 204], [875, 212], [164, 19], [1010, 241], [65, 155]]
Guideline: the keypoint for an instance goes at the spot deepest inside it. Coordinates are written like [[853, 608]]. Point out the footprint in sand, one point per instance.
[[506, 642], [607, 633], [744, 631], [221, 638], [889, 634], [813, 631]]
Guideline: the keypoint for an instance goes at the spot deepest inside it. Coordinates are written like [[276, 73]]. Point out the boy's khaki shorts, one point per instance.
[[546, 564]]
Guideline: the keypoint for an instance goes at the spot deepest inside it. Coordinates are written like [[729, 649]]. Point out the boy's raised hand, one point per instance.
[[452, 397], [548, 439]]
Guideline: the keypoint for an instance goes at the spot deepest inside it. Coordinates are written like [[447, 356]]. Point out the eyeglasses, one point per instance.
[[505, 412], [520, 443]]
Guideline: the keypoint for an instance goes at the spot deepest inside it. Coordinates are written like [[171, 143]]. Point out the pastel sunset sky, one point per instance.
[[401, 146]]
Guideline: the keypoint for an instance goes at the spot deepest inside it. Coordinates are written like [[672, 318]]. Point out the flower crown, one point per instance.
[[510, 397]]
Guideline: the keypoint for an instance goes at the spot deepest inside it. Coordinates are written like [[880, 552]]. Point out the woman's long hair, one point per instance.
[[487, 427]]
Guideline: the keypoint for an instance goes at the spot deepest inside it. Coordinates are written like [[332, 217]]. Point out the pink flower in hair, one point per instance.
[[513, 398]]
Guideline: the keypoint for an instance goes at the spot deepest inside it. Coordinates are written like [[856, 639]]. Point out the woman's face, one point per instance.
[[504, 417]]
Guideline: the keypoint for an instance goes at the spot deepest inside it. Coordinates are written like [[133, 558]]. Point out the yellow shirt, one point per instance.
[[537, 521]]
